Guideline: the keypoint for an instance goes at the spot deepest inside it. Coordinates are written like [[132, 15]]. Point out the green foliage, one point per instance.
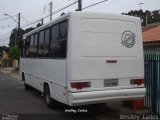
[[3, 48], [14, 52], [16, 36], [39, 24], [152, 16]]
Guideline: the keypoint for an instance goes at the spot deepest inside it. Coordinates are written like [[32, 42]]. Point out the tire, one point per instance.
[[49, 101], [27, 87]]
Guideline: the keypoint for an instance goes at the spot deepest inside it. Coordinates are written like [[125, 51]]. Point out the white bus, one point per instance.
[[85, 58]]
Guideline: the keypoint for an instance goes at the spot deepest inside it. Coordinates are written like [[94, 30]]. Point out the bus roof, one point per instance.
[[91, 14], [48, 24]]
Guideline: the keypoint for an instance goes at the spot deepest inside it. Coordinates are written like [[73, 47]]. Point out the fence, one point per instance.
[[152, 82]]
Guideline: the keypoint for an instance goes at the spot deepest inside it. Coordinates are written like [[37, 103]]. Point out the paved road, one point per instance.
[[17, 102]]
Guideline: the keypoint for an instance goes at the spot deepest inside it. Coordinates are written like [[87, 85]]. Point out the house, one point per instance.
[[5, 59], [1, 54], [151, 39]]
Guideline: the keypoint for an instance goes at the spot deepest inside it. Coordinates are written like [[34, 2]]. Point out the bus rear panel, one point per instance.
[[105, 59]]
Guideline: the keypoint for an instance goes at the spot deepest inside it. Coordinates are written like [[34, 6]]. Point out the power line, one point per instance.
[[40, 10], [95, 4], [35, 13], [37, 9], [5, 34], [25, 18], [52, 14], [31, 23], [4, 39], [62, 9], [7, 26], [106, 4], [7, 17], [88, 1], [60, 4]]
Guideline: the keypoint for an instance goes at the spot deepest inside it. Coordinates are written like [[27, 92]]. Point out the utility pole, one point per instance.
[[17, 36], [140, 4], [19, 20], [79, 5], [146, 19], [18, 31], [42, 21], [51, 7]]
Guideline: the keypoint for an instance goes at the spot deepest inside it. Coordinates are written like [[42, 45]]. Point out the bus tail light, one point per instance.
[[137, 81], [80, 85]]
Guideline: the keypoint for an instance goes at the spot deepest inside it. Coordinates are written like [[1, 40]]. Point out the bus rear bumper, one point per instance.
[[83, 98]]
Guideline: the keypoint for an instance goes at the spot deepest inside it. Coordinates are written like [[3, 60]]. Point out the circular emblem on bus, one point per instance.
[[128, 39]]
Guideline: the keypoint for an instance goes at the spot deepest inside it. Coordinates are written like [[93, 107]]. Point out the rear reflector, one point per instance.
[[80, 85], [137, 81]]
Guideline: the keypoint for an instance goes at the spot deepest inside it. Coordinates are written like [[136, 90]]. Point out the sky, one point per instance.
[[33, 10]]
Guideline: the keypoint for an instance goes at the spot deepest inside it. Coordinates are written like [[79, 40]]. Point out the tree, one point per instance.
[[151, 17], [16, 36], [39, 24], [156, 16], [28, 30], [14, 52], [3, 48]]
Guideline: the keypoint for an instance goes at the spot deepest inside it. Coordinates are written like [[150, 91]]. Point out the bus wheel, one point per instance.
[[49, 101], [27, 87]]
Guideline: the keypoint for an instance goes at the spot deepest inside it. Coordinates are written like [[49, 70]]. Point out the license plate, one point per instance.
[[110, 82]]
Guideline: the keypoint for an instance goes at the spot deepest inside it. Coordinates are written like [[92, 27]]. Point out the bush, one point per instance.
[[14, 52]]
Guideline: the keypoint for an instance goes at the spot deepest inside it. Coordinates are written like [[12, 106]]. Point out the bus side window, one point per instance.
[[54, 41], [59, 40], [63, 38], [22, 45], [27, 43], [23, 52], [35, 44], [46, 43], [41, 44], [31, 48]]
